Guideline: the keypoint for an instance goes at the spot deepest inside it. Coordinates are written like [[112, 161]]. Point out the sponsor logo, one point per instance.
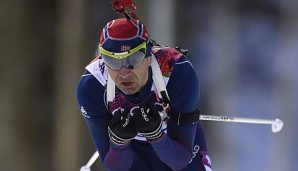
[[125, 48], [84, 113], [126, 121], [196, 149], [144, 114]]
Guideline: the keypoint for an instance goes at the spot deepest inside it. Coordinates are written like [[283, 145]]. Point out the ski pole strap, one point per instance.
[[185, 118]]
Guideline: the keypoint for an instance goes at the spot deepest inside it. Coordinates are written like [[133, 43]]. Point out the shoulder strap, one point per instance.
[[110, 90], [158, 80]]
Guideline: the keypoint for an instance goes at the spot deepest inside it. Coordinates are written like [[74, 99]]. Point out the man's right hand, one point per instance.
[[121, 129]]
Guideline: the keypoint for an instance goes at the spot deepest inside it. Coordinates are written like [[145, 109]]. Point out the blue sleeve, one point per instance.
[[91, 99], [183, 87], [175, 148]]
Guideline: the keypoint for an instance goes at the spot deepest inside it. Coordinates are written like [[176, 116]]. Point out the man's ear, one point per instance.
[[148, 59]]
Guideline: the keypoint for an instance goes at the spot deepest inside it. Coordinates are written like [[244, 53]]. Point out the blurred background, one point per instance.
[[245, 53]]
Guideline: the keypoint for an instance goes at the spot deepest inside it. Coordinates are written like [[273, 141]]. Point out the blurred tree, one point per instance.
[[70, 48], [26, 48]]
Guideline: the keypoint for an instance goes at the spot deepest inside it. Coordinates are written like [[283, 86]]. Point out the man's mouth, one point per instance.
[[126, 83]]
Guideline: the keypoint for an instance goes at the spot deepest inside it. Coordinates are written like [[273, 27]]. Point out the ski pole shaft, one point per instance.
[[277, 124]]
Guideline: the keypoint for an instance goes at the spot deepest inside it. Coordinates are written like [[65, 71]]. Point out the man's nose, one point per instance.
[[124, 72]]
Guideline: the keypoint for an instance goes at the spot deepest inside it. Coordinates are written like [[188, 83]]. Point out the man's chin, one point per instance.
[[128, 88], [129, 91]]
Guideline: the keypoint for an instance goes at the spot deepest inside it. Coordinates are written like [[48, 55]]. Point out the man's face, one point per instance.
[[130, 81]]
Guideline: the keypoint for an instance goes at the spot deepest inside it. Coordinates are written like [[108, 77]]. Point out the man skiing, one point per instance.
[[141, 102]]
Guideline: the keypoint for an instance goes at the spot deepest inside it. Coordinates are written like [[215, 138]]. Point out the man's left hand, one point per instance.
[[146, 118]]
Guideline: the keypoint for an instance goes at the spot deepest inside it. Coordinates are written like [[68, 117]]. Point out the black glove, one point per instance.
[[147, 120], [121, 129]]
